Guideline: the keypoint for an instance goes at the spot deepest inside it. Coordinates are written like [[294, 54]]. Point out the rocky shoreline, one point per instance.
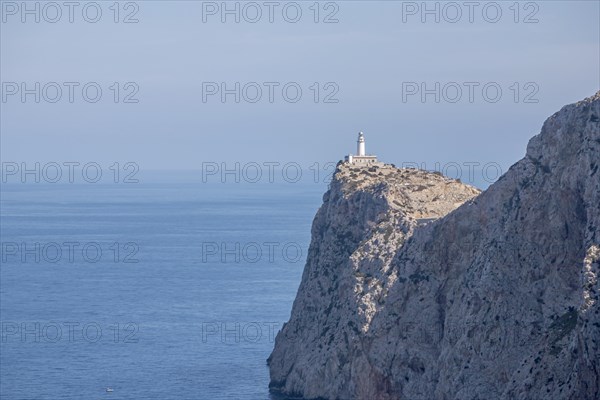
[[420, 287]]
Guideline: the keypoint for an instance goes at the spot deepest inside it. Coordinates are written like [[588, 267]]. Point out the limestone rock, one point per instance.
[[418, 287]]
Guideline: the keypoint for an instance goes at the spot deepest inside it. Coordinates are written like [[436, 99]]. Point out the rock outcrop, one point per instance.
[[418, 287]]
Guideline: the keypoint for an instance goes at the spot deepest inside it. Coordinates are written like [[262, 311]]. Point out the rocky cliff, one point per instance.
[[418, 287]]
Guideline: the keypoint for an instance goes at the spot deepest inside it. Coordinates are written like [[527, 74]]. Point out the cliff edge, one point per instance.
[[419, 287]]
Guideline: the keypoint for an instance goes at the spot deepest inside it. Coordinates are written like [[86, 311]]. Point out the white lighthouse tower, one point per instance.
[[361, 158], [360, 144]]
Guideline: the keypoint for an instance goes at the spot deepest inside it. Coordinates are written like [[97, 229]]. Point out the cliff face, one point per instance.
[[497, 298]]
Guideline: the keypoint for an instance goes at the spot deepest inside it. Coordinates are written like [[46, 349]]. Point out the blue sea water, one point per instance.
[[181, 319]]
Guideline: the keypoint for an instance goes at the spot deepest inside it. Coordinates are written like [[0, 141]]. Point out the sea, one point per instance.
[[167, 287]]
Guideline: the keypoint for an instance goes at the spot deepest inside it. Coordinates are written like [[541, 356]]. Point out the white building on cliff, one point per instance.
[[360, 157]]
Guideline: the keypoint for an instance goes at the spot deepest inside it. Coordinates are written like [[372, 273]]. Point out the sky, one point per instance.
[[491, 73]]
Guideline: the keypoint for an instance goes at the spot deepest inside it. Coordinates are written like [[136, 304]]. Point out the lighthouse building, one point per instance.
[[361, 158]]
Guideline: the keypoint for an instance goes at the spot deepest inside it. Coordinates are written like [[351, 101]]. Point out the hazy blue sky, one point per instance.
[[369, 54]]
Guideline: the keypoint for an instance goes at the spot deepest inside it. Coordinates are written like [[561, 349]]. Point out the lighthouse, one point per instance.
[[361, 157], [360, 144]]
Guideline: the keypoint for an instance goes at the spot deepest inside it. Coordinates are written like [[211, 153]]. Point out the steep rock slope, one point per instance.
[[366, 215], [496, 299]]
